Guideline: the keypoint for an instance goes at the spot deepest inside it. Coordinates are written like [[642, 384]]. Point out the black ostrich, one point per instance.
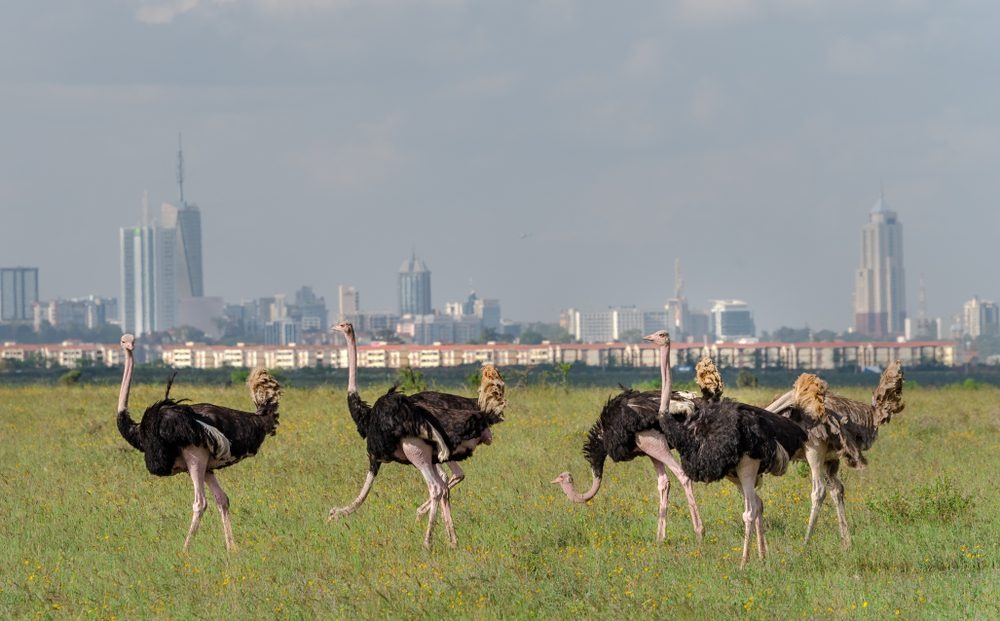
[[426, 430], [199, 438], [732, 440], [627, 428]]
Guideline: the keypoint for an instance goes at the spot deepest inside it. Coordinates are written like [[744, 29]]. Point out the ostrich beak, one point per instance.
[[556, 480], [648, 337]]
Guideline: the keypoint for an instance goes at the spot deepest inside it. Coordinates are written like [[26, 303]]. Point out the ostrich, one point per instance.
[[426, 430], [628, 428], [845, 431], [728, 439], [199, 438]]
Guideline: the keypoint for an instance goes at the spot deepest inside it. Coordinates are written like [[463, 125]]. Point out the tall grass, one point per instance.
[[87, 533]]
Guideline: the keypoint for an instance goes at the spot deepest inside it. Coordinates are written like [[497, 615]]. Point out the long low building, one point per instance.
[[768, 355]]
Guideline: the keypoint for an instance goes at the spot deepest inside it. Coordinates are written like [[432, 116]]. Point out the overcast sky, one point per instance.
[[551, 154]]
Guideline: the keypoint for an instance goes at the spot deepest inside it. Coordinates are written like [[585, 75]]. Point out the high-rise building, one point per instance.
[[980, 318], [161, 269], [185, 221], [879, 293], [349, 302], [732, 320], [414, 287], [137, 301], [18, 294]]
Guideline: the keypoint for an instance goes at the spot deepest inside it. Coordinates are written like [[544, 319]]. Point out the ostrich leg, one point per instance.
[[759, 525], [197, 462], [663, 487], [654, 444], [836, 487], [817, 470], [457, 476], [221, 501], [338, 512], [746, 471], [419, 454]]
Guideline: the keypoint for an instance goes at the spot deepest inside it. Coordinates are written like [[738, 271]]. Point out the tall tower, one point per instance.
[[18, 294], [414, 287], [880, 293], [137, 301]]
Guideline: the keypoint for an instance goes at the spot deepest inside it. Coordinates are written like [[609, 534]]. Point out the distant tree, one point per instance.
[[552, 332], [531, 337], [785, 334], [825, 335]]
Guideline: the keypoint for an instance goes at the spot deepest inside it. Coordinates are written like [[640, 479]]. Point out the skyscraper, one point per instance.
[[137, 301], [186, 222], [349, 302], [414, 287], [18, 292], [880, 293]]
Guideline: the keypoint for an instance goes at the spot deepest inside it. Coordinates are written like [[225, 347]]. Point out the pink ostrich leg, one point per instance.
[[654, 444], [457, 476], [746, 472], [222, 502], [196, 459], [420, 454]]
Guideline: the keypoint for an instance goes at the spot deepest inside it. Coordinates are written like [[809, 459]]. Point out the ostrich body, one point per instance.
[[427, 429], [844, 431], [198, 438], [728, 439], [627, 428]]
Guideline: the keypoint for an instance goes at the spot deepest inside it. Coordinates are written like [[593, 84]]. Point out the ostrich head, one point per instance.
[[128, 342], [661, 338], [564, 480], [345, 327]]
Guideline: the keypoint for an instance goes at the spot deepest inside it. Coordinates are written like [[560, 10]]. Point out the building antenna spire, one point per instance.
[[678, 280], [180, 169]]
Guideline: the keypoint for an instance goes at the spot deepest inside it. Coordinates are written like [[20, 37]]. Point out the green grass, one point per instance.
[[88, 533]]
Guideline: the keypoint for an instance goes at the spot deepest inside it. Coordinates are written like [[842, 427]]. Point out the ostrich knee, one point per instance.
[[198, 506]]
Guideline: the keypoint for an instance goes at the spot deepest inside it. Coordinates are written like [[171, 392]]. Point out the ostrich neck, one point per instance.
[[573, 495], [352, 363], [126, 382], [665, 379]]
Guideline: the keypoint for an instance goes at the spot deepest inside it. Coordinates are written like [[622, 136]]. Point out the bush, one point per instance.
[[410, 380], [70, 378], [238, 377], [746, 379], [938, 500]]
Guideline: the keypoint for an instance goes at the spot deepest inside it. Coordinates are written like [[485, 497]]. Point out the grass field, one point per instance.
[[88, 533]]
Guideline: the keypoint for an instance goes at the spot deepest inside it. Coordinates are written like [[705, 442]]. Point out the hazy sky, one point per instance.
[[550, 154]]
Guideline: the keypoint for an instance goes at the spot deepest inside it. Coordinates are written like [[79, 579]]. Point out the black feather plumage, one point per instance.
[[712, 441]]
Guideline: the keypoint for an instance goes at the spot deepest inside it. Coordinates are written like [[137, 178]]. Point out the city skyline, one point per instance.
[[327, 139]]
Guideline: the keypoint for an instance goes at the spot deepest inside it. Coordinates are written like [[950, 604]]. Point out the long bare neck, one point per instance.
[[126, 382], [352, 363], [665, 379], [575, 496]]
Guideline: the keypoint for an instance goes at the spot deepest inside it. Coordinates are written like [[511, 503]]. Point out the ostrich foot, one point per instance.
[[338, 512], [424, 508]]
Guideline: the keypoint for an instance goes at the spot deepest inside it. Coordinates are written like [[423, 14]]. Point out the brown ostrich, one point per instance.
[[199, 438], [844, 430]]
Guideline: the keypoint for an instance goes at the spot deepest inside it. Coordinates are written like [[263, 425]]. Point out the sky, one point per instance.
[[551, 154]]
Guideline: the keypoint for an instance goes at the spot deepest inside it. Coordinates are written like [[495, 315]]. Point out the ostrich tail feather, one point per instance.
[[265, 391], [491, 392]]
